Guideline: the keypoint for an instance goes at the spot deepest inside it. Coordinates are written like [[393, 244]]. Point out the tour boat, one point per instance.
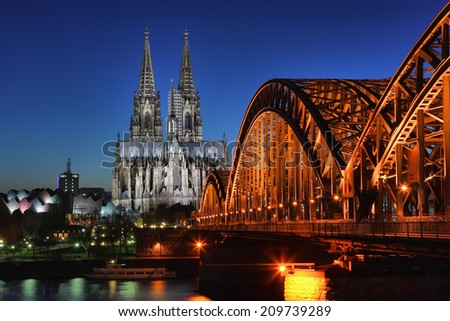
[[113, 270]]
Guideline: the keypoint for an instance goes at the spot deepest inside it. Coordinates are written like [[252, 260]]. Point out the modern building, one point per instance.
[[68, 181], [151, 172]]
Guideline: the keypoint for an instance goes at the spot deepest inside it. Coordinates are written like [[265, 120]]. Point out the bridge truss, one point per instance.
[[312, 149]]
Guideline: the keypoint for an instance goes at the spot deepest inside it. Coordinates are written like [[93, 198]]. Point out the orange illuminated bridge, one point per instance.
[[345, 152]]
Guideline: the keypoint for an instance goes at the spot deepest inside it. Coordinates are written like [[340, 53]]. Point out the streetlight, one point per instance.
[[199, 246], [282, 269]]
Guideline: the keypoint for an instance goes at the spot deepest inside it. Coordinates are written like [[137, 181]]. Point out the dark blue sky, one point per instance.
[[68, 69]]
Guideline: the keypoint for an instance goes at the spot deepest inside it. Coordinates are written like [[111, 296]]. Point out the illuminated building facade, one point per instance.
[[68, 181], [151, 172]]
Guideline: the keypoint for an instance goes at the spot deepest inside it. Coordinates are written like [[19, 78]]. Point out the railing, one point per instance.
[[412, 230]]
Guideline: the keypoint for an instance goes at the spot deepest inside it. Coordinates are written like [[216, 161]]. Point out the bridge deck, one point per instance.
[[413, 230], [419, 238]]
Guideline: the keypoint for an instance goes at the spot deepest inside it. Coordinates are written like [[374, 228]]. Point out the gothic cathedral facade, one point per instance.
[[152, 172]]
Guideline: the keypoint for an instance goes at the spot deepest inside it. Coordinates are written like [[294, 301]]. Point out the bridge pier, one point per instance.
[[236, 267], [244, 265]]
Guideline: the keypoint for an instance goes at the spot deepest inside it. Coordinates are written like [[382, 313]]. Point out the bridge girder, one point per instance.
[[410, 113]]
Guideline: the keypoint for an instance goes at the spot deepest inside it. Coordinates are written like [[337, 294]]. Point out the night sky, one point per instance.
[[68, 69]]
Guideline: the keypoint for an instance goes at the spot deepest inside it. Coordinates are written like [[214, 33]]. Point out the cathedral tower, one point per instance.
[[184, 103], [152, 175], [146, 121]]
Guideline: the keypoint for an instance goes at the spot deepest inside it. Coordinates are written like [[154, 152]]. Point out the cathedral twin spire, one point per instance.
[[147, 79], [183, 122], [186, 81]]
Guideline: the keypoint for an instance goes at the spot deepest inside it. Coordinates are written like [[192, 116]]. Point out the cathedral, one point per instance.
[[152, 172]]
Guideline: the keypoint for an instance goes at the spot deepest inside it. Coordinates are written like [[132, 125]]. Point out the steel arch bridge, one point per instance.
[[336, 149]]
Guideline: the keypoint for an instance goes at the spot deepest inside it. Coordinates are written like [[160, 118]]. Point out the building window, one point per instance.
[[147, 121], [187, 121]]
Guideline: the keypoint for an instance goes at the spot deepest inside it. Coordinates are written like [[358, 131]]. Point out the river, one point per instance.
[[303, 286], [81, 289]]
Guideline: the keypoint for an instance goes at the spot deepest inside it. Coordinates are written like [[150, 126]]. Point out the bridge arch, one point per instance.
[[362, 149], [297, 135], [213, 198], [406, 134]]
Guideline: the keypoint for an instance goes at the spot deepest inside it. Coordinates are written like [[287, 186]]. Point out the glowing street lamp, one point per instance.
[[199, 246]]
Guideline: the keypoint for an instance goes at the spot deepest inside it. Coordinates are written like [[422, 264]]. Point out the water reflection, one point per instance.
[[306, 285], [80, 289], [319, 286], [29, 289], [158, 289], [198, 298], [75, 287]]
